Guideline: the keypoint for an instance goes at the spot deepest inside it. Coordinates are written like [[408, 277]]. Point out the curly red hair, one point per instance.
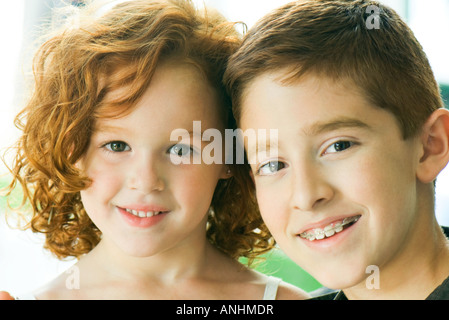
[[74, 70]]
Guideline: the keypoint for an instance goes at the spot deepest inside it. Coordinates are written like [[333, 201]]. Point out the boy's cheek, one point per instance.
[[273, 209]]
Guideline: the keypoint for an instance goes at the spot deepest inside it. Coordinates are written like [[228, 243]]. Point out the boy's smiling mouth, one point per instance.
[[329, 230]]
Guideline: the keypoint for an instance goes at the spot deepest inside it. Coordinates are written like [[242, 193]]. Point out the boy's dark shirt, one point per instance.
[[440, 293]]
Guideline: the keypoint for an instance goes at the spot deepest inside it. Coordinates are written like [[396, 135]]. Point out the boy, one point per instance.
[[362, 136]]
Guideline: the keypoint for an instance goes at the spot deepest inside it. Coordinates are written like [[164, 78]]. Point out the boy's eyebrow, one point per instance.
[[313, 130], [334, 124]]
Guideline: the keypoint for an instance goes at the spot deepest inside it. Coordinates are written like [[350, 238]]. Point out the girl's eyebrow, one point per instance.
[[334, 124], [107, 128]]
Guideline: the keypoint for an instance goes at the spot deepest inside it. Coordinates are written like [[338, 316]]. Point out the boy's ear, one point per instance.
[[435, 142]]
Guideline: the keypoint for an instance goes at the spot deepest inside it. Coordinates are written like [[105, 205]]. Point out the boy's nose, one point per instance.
[[310, 189], [146, 176]]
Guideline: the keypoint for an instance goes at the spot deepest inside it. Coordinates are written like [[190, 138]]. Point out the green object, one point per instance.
[[445, 94], [3, 184], [15, 198], [277, 263]]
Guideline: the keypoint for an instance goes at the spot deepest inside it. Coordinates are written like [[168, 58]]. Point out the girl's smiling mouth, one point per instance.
[[142, 216], [329, 230]]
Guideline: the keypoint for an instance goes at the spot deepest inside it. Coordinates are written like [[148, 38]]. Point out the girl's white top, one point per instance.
[[270, 293]]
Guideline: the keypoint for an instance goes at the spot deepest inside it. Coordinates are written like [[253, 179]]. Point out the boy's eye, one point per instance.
[[270, 168], [339, 146], [180, 150], [117, 146]]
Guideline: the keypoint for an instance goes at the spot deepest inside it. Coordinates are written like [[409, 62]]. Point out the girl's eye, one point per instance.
[[117, 146], [181, 150], [339, 146], [270, 168]]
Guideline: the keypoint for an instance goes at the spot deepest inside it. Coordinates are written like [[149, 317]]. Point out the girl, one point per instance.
[[96, 159]]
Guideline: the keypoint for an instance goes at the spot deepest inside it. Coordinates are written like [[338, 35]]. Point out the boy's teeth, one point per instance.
[[143, 214], [328, 231]]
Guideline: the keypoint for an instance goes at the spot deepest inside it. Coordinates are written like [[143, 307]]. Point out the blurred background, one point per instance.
[[24, 265]]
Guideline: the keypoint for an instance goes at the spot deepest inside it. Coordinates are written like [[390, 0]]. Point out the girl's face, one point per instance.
[[140, 199]]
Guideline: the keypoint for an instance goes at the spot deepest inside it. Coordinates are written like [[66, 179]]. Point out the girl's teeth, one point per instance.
[[142, 214], [328, 231]]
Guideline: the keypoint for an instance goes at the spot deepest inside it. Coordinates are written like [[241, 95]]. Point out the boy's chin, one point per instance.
[[340, 277], [340, 284]]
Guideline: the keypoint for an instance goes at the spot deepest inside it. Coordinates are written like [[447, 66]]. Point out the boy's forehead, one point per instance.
[[310, 106], [315, 83], [290, 76]]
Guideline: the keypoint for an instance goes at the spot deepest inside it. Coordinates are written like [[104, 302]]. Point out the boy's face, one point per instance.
[[341, 194]]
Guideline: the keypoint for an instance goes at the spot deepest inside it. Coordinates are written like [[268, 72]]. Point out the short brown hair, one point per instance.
[[332, 38], [73, 72]]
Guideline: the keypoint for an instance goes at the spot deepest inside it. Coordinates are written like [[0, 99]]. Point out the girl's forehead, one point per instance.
[[119, 83], [180, 87]]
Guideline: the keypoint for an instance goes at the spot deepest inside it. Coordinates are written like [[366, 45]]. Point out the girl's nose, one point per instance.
[[146, 176]]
